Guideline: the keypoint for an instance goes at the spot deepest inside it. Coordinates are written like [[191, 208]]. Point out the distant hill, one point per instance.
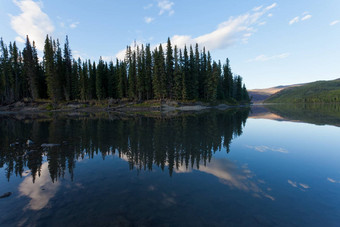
[[259, 95], [315, 92]]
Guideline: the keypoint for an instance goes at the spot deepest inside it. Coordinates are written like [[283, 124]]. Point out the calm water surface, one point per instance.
[[217, 168]]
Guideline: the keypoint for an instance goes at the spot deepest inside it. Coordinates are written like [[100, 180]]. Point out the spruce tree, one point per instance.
[[30, 70], [132, 74], [141, 74], [7, 91], [67, 87], [99, 79], [148, 72], [185, 75], [227, 80], [59, 64], [177, 75], [50, 69], [203, 76], [169, 70]]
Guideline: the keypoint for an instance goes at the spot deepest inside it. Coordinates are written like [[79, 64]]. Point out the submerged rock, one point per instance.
[[29, 142], [7, 194], [49, 145], [14, 144]]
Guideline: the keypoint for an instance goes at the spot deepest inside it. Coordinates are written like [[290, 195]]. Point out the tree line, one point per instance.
[[144, 74]]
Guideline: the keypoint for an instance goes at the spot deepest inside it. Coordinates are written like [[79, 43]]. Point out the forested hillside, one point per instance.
[[315, 92], [144, 74]]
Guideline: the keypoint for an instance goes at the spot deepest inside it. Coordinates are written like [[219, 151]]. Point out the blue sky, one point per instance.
[[269, 43]]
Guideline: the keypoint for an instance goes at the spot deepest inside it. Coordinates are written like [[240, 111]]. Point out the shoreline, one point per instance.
[[164, 106]]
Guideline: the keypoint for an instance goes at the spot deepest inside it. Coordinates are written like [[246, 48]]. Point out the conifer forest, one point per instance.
[[163, 72]]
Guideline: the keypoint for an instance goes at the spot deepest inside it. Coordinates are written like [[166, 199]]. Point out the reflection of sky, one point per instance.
[[41, 191]]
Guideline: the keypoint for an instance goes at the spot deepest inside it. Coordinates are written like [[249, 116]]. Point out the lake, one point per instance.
[[265, 166]]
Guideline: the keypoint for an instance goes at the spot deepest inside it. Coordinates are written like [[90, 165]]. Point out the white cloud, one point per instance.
[[294, 20], [148, 6], [334, 22], [107, 58], [148, 20], [235, 29], [306, 17], [271, 6], [19, 39], [262, 23], [257, 8], [263, 57], [32, 21], [165, 6], [78, 54], [270, 15], [74, 24]]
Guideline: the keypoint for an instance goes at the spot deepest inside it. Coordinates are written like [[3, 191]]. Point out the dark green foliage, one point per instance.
[[238, 88], [100, 91], [83, 81], [75, 80], [178, 81], [143, 75], [50, 69], [169, 70], [185, 74], [67, 85], [148, 73], [132, 90], [92, 81], [159, 74]]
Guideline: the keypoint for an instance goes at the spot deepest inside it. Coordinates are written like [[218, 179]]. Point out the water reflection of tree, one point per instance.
[[172, 142]]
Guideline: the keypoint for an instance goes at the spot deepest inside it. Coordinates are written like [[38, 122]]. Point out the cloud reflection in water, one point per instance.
[[41, 191]]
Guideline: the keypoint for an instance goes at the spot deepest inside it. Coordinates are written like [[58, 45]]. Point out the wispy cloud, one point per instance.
[[165, 6], [148, 20], [227, 33], [78, 54], [294, 20], [32, 21], [270, 15], [74, 24], [307, 17], [334, 22], [257, 8], [271, 6], [263, 57]]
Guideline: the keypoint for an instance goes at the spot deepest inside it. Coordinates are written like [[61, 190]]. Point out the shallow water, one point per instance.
[[217, 168]]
